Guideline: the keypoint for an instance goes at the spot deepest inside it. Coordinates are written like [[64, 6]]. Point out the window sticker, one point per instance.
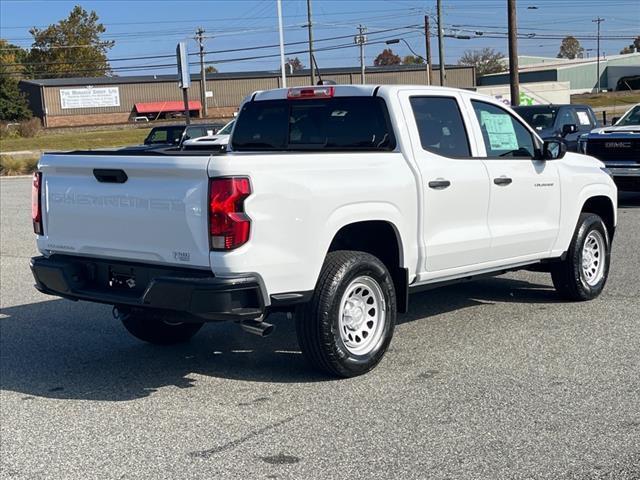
[[583, 118], [499, 128]]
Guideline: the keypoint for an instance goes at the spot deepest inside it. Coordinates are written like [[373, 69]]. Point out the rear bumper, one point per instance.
[[138, 285]]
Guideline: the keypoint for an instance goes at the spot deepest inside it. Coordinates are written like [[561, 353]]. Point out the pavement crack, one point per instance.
[[239, 441]]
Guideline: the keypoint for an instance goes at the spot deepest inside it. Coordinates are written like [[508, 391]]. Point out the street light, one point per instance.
[[398, 40]]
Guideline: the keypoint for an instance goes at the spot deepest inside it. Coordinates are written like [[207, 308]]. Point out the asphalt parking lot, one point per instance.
[[496, 379]]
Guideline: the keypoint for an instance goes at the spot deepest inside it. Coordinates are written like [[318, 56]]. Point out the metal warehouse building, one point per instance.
[[64, 102], [581, 73]]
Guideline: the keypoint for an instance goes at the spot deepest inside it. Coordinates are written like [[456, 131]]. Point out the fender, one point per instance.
[[571, 212], [369, 211]]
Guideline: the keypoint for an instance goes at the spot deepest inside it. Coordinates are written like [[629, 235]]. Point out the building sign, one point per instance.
[[90, 97]]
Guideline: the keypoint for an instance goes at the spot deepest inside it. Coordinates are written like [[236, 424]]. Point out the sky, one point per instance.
[[148, 28]]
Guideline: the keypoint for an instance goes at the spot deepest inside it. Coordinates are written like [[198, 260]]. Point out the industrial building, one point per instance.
[[65, 102], [617, 72]]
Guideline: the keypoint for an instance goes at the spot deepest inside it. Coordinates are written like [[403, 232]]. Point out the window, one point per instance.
[[164, 135], [337, 124], [440, 126], [632, 117], [586, 119], [195, 132], [503, 135], [540, 117], [566, 117], [226, 130]]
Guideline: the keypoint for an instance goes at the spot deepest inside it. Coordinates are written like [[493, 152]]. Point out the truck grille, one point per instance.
[[614, 149]]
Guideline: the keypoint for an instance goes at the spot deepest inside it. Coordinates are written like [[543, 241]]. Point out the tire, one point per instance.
[[576, 282], [354, 296], [157, 327]]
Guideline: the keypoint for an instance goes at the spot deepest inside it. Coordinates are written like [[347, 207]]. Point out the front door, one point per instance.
[[524, 212]]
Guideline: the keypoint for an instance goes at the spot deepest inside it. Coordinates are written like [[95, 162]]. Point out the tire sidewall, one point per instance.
[[589, 224], [361, 266]]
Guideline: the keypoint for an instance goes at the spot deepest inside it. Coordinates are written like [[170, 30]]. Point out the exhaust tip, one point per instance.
[[256, 327]]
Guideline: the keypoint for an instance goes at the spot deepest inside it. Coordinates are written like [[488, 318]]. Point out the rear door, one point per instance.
[[455, 186], [135, 208], [524, 212]]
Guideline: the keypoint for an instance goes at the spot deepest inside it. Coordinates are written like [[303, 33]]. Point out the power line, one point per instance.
[[218, 61]]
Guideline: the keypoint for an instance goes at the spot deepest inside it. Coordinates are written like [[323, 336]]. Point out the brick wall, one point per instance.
[[95, 119]]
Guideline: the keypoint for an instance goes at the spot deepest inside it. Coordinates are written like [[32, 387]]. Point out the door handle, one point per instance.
[[439, 184], [110, 175], [502, 181]]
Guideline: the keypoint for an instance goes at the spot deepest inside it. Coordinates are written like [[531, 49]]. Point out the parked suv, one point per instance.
[[333, 203], [567, 122], [618, 146]]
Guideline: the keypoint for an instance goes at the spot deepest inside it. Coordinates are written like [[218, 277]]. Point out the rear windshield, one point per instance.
[[339, 123], [538, 117]]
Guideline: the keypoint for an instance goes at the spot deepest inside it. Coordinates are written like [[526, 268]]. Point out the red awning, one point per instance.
[[168, 106]]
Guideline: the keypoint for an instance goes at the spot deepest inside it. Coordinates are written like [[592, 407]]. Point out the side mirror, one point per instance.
[[553, 150], [568, 128], [614, 120]]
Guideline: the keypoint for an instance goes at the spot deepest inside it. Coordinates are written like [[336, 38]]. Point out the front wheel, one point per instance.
[[347, 326], [583, 273], [159, 328]]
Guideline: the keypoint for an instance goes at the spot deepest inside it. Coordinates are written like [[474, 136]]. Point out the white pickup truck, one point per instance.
[[333, 203]]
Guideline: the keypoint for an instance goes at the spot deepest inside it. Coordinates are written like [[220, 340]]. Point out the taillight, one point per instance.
[[36, 203], [229, 226], [300, 93]]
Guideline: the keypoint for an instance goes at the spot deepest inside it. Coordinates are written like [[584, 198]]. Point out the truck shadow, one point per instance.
[[65, 350]]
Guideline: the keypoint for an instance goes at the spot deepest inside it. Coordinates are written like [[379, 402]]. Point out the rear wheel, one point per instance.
[[583, 274], [347, 326], [157, 327]]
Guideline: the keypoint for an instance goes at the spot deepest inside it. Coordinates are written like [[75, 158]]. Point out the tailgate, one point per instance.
[[158, 214]]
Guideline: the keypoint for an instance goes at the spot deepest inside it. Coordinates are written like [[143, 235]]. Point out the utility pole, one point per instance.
[[361, 39], [281, 34], [203, 73], [309, 26], [443, 75], [598, 21], [427, 47], [514, 79]]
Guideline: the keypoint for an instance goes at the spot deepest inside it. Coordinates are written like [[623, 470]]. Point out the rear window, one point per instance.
[[339, 123]]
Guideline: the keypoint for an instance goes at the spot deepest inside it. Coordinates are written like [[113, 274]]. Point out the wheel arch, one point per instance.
[[603, 206], [381, 238]]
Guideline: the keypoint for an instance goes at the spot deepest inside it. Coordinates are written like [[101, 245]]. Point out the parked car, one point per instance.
[[618, 146], [175, 135], [567, 122], [333, 203], [211, 142]]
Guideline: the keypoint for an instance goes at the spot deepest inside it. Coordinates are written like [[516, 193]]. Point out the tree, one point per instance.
[[295, 64], [12, 59], [412, 60], [635, 46], [486, 61], [71, 47], [13, 103], [570, 47], [387, 57], [210, 69]]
